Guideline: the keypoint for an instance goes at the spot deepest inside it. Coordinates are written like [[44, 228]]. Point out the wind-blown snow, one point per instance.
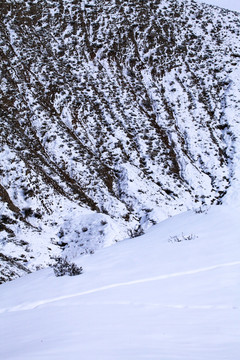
[[144, 298]]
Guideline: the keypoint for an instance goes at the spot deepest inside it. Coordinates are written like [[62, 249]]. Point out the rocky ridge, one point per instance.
[[114, 116]]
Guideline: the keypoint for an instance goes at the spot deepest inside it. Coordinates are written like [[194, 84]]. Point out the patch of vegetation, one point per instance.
[[63, 267], [181, 238]]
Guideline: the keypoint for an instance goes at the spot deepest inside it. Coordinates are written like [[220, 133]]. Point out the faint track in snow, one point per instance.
[[161, 305], [35, 304]]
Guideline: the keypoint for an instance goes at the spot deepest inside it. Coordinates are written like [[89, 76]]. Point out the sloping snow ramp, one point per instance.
[[173, 293]]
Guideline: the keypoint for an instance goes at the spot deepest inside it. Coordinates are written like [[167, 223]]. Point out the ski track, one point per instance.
[[160, 305], [35, 304]]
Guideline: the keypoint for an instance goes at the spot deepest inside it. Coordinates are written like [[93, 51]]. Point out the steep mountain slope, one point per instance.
[[114, 115], [144, 298]]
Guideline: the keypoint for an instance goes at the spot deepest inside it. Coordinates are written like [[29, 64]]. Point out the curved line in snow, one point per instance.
[[112, 286]]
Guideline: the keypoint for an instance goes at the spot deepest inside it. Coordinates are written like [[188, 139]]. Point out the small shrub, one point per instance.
[[182, 237], [6, 219], [60, 233], [64, 267], [137, 231], [37, 215], [201, 210], [27, 212]]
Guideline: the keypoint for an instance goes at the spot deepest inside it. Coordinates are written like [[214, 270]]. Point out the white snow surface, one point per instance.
[[144, 298], [226, 4]]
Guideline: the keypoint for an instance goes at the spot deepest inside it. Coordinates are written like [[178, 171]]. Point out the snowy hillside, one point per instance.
[[145, 298], [114, 116]]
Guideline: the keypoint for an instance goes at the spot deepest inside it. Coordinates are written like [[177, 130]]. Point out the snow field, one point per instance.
[[143, 298]]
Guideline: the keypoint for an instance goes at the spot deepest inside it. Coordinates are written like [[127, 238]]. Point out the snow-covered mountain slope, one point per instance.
[[145, 298], [114, 115]]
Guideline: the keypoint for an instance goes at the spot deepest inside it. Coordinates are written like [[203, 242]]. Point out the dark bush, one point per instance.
[[27, 212], [137, 231], [63, 267]]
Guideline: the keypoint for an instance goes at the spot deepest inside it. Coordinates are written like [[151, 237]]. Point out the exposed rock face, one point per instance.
[[113, 114]]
